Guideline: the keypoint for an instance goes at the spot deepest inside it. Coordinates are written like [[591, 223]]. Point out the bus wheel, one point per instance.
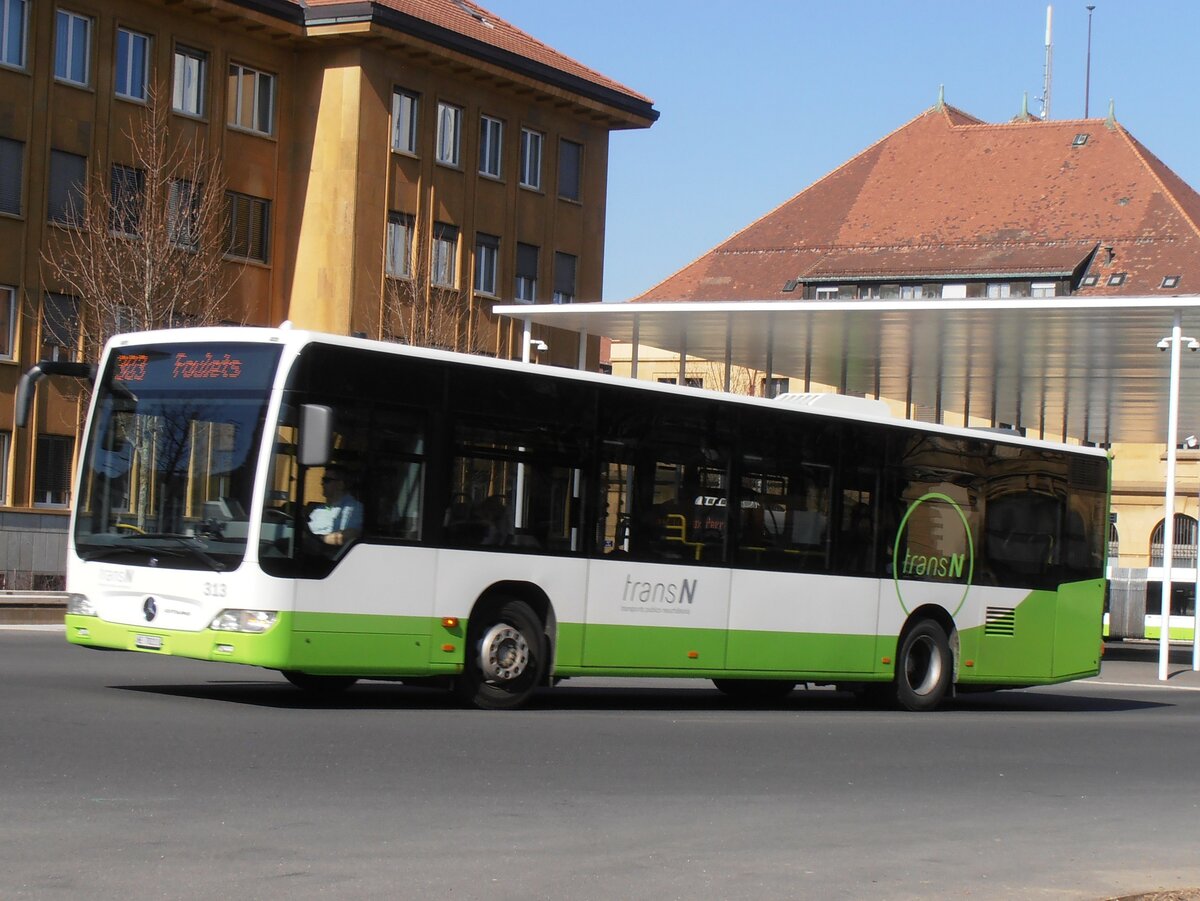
[[325, 685], [924, 667], [505, 657], [761, 690]]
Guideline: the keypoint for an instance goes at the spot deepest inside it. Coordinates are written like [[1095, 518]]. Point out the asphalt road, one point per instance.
[[127, 775]]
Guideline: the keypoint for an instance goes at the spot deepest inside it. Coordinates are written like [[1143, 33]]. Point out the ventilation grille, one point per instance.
[[1001, 621]]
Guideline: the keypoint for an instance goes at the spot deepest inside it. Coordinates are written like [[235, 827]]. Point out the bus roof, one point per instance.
[[843, 407]]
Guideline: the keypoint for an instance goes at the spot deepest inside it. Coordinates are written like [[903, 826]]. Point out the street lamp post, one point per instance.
[[1174, 343]]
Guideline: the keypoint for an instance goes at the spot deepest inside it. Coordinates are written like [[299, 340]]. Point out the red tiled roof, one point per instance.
[[465, 19], [946, 195]]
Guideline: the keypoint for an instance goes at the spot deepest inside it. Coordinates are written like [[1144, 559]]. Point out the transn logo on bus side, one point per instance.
[[937, 534]]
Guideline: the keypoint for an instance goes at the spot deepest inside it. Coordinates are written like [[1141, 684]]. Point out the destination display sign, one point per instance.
[[195, 366]]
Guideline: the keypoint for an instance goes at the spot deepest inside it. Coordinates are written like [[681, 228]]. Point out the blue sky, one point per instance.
[[760, 98]]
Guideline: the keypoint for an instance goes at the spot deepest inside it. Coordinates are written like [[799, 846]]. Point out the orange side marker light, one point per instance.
[[447, 648], [450, 622], [693, 655]]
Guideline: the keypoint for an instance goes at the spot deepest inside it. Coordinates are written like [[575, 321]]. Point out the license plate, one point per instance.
[[149, 642]]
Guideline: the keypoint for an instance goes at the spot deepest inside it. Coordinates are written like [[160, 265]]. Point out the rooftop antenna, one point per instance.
[[1087, 77], [1049, 66]]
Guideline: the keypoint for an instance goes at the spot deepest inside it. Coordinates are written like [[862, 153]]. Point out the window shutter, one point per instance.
[[527, 261], [12, 155]]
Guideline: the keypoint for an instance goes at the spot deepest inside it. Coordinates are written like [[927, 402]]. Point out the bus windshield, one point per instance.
[[168, 469]]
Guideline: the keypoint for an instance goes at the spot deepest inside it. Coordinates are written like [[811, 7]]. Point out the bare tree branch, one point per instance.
[[147, 249], [416, 311]]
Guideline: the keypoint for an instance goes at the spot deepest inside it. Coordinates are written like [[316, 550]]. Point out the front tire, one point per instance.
[[924, 667], [506, 657]]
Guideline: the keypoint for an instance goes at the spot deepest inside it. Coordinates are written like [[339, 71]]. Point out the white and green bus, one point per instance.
[[516, 525]]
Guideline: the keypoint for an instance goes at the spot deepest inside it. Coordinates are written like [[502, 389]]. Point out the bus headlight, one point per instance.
[[243, 620], [79, 605]]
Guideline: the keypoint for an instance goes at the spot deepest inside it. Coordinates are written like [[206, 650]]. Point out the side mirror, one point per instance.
[[316, 434], [27, 387]]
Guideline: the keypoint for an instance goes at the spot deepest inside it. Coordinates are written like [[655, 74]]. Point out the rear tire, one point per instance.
[[924, 667], [755, 690], [506, 657], [314, 684]]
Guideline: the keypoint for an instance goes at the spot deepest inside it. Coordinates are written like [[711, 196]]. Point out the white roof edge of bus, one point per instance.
[[849, 404], [297, 337]]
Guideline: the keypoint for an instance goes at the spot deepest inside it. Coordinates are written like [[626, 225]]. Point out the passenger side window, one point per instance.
[[784, 516], [514, 487]]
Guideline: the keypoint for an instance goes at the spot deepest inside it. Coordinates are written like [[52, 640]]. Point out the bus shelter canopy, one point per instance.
[[1090, 369]]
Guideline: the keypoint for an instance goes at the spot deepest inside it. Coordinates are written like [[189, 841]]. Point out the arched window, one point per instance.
[[1113, 542], [1183, 537]]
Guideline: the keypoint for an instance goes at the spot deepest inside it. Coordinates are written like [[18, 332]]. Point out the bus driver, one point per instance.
[[339, 520]]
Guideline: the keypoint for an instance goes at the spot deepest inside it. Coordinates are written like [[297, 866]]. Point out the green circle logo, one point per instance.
[[936, 565]]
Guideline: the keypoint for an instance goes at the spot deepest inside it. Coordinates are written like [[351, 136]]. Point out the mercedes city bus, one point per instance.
[[509, 526]]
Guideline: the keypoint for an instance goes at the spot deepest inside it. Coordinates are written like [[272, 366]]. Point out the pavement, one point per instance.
[[1129, 664], [1136, 663]]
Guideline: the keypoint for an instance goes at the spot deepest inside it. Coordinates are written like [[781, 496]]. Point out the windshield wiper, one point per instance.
[[114, 550], [198, 552], [121, 549]]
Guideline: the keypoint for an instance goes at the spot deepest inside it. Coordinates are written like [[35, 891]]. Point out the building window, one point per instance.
[[8, 324], [1170, 281], [773, 387], [491, 138], [445, 256], [1042, 289], [449, 134], [191, 76], [689, 381], [825, 292], [183, 213], [564, 277], [1089, 281], [487, 255], [68, 180], [398, 257], [1116, 279], [72, 47], [12, 165], [60, 323], [14, 24], [133, 61], [531, 159], [248, 226], [405, 107], [570, 169], [526, 275], [999, 290], [251, 99], [126, 192], [52, 471]]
